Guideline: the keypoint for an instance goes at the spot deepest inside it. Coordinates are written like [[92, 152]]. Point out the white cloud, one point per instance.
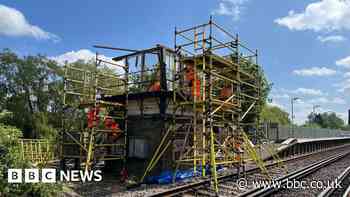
[[319, 100], [323, 100], [338, 100], [343, 86], [343, 115], [275, 104], [304, 106], [326, 15], [335, 38], [307, 91], [345, 62], [280, 96], [232, 8], [84, 55], [14, 23], [347, 74], [73, 56], [282, 93], [315, 71]]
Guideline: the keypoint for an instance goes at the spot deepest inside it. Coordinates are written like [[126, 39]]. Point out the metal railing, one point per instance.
[[37, 151]]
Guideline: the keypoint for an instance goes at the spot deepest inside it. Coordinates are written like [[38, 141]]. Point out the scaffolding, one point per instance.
[[93, 129], [217, 98], [37, 151], [146, 78], [208, 92]]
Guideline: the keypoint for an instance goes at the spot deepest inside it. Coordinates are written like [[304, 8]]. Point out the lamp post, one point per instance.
[[293, 99], [314, 107]]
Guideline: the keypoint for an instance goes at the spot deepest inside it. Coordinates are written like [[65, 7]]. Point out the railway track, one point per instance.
[[344, 181], [228, 183], [299, 183]]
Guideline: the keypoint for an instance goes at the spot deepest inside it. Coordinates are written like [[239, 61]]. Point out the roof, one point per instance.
[[306, 140], [149, 50]]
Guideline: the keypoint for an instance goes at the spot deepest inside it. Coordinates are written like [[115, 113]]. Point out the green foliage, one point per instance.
[[30, 99], [29, 91], [6, 116], [10, 157], [264, 89], [346, 128], [41, 124], [256, 70], [325, 120], [275, 115], [311, 125], [139, 85], [106, 80], [9, 136]]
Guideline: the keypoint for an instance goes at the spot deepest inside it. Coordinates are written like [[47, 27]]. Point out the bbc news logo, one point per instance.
[[50, 175]]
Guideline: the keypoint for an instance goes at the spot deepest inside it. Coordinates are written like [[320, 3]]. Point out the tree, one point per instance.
[[346, 127], [260, 79], [325, 120], [11, 157], [275, 115], [29, 90]]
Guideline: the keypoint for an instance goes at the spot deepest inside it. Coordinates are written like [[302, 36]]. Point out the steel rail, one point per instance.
[[347, 192], [264, 191], [329, 191], [191, 186]]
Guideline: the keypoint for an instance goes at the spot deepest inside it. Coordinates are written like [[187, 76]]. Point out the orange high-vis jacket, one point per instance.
[[92, 117], [155, 87], [196, 93], [115, 127], [111, 124], [225, 92], [189, 76]]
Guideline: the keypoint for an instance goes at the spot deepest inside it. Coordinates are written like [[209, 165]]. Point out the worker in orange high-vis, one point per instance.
[[190, 79], [113, 135], [114, 127], [155, 87], [92, 116], [155, 84], [226, 92]]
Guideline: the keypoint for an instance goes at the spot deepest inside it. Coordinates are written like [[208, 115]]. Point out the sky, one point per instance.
[[304, 46]]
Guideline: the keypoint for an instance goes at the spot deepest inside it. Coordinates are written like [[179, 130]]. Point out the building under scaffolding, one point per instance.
[[182, 108], [216, 98]]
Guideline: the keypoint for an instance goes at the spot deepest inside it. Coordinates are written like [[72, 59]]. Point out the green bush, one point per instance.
[[10, 157]]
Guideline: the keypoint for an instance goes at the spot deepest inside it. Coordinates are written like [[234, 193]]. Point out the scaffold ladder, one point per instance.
[[274, 154], [83, 90], [253, 155]]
